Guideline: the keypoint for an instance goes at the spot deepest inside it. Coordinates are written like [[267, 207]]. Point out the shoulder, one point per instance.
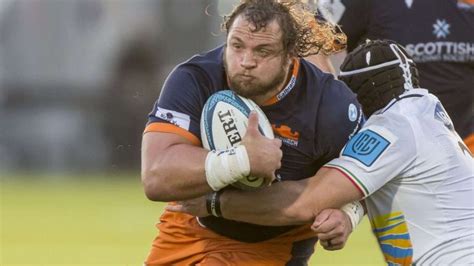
[[393, 128], [338, 102], [389, 131], [332, 96], [339, 116]]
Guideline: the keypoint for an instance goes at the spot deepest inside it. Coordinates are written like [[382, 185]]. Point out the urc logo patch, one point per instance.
[[366, 147]]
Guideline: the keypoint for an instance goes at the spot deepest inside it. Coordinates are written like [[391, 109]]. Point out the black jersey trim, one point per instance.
[[397, 99]]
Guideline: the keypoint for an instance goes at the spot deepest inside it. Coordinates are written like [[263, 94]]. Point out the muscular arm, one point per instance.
[[163, 174], [291, 202], [174, 169]]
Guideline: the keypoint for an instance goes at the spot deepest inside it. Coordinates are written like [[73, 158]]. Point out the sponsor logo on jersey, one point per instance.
[[366, 147], [393, 237], [441, 50], [441, 28], [291, 84], [287, 89], [176, 118], [286, 134]]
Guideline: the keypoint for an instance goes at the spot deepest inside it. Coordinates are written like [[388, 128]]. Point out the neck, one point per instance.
[[262, 99]]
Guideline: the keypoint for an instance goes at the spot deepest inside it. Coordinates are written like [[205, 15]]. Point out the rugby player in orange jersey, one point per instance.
[[313, 116]]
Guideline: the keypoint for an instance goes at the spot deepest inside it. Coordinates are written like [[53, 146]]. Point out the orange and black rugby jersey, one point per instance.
[[314, 116]]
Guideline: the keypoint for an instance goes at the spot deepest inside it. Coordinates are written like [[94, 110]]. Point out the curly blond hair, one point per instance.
[[303, 34]]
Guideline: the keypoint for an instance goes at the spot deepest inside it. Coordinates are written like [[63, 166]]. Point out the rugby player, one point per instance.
[[312, 114]]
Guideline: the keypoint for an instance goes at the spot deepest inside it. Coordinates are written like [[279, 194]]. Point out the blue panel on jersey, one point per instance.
[[366, 147]]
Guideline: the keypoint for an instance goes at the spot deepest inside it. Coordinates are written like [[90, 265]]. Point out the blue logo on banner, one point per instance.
[[366, 147]]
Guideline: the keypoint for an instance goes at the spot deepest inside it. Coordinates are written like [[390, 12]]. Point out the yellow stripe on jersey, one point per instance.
[[393, 237]]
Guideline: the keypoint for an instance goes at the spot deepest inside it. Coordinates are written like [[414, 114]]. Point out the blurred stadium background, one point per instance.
[[77, 78]]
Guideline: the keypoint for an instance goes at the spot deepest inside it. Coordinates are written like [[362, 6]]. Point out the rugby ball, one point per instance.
[[224, 122]]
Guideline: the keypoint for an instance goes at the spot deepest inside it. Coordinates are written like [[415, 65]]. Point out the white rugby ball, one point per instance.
[[224, 123]]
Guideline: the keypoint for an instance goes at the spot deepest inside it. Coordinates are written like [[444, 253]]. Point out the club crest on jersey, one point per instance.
[[366, 147], [286, 134], [352, 112]]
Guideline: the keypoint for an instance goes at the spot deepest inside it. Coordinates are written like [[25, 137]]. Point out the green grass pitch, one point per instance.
[[105, 220]]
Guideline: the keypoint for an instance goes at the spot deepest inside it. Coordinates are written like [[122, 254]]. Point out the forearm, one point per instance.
[[291, 202], [177, 173], [279, 204]]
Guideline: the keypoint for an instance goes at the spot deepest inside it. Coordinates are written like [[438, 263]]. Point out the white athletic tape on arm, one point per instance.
[[225, 167], [355, 211]]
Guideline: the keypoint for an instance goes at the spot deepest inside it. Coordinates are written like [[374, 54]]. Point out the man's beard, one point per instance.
[[254, 87]]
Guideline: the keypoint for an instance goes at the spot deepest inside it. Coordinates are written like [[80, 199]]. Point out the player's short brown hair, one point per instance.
[[303, 34]]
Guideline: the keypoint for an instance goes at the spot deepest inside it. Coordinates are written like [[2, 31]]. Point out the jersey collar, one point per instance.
[[291, 84]]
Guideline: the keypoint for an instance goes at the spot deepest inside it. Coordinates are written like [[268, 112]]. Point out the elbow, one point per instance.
[[301, 210], [154, 188], [299, 214], [298, 217]]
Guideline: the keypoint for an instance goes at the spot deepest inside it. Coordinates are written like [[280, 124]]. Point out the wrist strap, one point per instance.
[[355, 211], [224, 167], [213, 203]]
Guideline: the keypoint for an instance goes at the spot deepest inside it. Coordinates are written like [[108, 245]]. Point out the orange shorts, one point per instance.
[[183, 241]]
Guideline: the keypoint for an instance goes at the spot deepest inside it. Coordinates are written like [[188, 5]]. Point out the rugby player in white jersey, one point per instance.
[[407, 162]]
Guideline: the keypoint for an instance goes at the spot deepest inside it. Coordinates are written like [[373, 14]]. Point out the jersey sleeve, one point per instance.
[[377, 154], [178, 109], [340, 118]]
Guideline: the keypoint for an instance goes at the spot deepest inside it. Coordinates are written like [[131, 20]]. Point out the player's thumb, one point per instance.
[[320, 218], [277, 142], [252, 127]]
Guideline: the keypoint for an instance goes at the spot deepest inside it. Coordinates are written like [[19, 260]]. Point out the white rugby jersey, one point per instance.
[[418, 178]]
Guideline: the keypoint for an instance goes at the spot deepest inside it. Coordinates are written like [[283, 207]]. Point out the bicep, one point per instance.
[[376, 155], [172, 167], [155, 144]]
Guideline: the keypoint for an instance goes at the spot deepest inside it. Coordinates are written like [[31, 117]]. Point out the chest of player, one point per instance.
[[298, 133]]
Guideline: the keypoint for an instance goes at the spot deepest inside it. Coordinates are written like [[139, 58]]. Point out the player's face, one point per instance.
[[255, 62]]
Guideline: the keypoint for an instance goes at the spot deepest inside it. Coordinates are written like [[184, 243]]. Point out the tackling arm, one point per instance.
[[291, 202]]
